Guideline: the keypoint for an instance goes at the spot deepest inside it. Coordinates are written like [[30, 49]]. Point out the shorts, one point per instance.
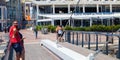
[[59, 35], [17, 47]]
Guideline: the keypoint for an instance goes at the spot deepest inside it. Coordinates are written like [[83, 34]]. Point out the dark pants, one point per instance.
[[36, 33]]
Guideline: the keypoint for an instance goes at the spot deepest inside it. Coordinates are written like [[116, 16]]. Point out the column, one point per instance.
[[60, 21], [69, 8], [83, 8], [97, 8], [52, 22], [37, 14], [110, 7], [53, 9], [90, 22], [2, 17], [81, 22]]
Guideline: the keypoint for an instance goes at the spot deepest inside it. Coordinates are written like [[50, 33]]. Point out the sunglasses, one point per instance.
[[15, 23]]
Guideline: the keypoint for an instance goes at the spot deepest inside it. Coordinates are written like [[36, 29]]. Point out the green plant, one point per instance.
[[38, 27], [68, 28], [53, 29]]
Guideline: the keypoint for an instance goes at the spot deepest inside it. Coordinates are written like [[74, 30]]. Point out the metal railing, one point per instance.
[[95, 39]]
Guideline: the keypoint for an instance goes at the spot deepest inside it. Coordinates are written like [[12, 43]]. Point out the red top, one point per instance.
[[14, 35]]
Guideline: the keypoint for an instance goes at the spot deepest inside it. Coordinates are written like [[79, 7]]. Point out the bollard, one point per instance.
[[118, 53], [82, 39], [107, 44], [89, 41], [68, 37], [96, 41], [73, 38], [65, 36], [77, 38]]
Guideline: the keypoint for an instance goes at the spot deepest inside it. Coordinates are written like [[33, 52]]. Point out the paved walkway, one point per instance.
[[37, 52], [33, 49]]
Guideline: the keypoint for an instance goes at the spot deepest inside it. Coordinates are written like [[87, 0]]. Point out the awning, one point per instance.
[[44, 20]]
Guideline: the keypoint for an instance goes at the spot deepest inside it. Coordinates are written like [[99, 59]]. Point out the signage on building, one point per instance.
[[27, 17]]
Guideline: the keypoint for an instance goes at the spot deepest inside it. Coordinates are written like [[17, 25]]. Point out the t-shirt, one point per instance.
[[14, 38], [60, 32]]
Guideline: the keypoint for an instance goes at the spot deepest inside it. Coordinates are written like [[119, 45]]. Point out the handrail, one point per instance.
[[85, 37]]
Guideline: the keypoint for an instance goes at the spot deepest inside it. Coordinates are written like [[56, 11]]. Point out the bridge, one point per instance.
[[77, 45]]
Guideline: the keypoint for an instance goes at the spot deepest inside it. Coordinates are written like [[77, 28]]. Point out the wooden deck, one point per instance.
[[37, 52]]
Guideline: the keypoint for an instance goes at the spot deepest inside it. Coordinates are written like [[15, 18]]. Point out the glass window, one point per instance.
[[0, 13]]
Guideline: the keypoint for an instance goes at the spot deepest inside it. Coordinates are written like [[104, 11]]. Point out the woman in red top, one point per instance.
[[15, 40]]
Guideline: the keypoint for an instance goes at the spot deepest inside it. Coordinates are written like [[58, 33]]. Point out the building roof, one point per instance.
[[78, 16]]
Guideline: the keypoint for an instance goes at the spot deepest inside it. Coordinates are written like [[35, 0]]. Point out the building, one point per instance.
[[86, 13], [14, 10], [3, 14]]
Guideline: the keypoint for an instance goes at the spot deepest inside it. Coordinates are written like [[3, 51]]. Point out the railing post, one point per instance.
[[89, 41], [107, 44], [77, 38], [82, 39], [96, 41], [65, 36], [68, 37], [118, 53], [73, 38]]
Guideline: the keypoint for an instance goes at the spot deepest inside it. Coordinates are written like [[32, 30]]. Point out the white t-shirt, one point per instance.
[[60, 31]]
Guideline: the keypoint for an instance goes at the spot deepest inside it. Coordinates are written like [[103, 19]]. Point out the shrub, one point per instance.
[[68, 28], [53, 29], [38, 27], [97, 28]]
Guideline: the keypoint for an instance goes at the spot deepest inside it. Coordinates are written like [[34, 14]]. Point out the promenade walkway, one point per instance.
[[33, 50]]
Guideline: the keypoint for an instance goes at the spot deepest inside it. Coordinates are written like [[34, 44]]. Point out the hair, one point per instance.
[[15, 21]]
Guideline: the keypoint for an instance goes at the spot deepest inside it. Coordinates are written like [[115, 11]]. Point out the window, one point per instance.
[[0, 13]]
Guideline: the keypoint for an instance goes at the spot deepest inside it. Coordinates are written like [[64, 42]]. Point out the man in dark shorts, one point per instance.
[[60, 32], [15, 40]]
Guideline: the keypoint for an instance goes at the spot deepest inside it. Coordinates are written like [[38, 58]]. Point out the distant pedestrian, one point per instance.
[[15, 40], [35, 31], [60, 32]]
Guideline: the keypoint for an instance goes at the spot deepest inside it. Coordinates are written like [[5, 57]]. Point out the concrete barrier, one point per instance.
[[63, 52]]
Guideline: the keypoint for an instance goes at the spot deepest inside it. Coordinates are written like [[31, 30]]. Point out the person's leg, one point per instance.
[[18, 49], [17, 56], [23, 54], [36, 35]]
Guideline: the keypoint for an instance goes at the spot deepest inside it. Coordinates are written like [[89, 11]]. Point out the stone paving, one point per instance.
[[33, 49]]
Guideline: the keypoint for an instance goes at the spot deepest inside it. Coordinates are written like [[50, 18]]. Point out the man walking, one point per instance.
[[15, 40], [35, 31]]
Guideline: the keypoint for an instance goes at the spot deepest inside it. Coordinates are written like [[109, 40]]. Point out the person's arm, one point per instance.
[[14, 32], [56, 30]]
